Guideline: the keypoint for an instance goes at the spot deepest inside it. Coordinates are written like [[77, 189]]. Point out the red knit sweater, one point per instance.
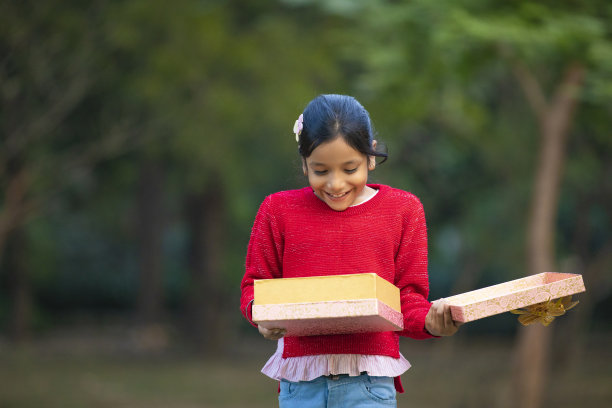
[[295, 234]]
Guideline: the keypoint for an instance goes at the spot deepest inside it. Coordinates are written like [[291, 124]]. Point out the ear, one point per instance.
[[372, 159], [304, 167]]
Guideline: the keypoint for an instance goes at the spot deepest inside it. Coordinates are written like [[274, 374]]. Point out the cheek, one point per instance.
[[360, 178], [315, 182]]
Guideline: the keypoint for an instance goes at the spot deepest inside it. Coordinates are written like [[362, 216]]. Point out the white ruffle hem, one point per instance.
[[307, 368]]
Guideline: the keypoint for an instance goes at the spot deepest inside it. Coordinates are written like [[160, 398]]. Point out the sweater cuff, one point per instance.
[[249, 313], [414, 324]]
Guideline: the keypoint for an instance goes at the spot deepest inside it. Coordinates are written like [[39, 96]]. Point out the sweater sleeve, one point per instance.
[[264, 255], [411, 271]]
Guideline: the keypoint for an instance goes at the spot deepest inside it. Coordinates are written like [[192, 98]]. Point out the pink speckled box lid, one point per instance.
[[513, 295], [332, 317]]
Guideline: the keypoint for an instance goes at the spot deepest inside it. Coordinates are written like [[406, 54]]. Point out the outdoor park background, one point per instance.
[[138, 138]]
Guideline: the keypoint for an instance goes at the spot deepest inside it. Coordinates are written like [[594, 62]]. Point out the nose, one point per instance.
[[335, 183]]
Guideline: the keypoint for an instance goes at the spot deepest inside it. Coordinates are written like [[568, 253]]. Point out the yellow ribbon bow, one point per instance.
[[544, 312]]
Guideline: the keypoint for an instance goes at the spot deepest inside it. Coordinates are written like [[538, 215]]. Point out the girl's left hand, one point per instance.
[[439, 321], [271, 334]]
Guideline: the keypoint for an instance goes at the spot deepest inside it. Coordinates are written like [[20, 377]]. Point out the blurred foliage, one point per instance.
[[210, 90]]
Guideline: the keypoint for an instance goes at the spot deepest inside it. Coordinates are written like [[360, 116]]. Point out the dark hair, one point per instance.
[[330, 116]]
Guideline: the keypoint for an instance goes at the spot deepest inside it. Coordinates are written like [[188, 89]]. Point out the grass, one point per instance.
[[465, 373], [29, 380]]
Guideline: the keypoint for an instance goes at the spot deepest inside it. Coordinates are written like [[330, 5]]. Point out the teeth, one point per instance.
[[337, 195]]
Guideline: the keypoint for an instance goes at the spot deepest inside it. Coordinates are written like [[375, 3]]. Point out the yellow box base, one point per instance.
[[326, 288], [328, 304]]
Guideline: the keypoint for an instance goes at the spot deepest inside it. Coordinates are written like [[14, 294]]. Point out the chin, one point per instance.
[[336, 207], [339, 205]]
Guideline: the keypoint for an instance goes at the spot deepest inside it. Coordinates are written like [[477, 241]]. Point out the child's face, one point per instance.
[[338, 174]]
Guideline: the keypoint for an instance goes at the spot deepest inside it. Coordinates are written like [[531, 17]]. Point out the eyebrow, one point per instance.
[[350, 162]]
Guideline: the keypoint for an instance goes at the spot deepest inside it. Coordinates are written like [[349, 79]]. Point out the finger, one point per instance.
[[278, 333], [266, 333], [448, 317], [440, 310], [438, 306], [438, 318], [275, 333]]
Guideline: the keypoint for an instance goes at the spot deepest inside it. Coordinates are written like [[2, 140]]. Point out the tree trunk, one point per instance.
[[12, 250], [14, 210], [206, 215], [150, 229], [19, 287], [594, 268], [532, 348]]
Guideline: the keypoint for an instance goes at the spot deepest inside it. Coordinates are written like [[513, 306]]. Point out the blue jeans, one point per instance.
[[363, 391]]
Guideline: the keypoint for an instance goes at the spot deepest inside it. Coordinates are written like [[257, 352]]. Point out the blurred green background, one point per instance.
[[138, 138]]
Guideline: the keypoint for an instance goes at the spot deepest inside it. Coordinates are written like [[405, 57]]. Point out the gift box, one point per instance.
[[514, 294], [328, 304]]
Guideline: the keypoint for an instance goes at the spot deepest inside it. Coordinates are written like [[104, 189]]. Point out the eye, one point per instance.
[[350, 171], [320, 172]]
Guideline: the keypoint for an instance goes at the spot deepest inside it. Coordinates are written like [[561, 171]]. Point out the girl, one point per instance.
[[340, 225]]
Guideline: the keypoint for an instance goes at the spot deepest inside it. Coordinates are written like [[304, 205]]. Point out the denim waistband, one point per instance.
[[336, 377]]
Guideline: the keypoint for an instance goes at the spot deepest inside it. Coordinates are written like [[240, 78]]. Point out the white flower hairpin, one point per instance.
[[298, 126]]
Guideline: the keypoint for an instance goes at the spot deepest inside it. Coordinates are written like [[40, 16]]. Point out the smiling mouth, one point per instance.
[[337, 196]]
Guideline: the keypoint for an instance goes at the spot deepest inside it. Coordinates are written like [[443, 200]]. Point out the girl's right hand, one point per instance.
[[439, 321], [271, 334]]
